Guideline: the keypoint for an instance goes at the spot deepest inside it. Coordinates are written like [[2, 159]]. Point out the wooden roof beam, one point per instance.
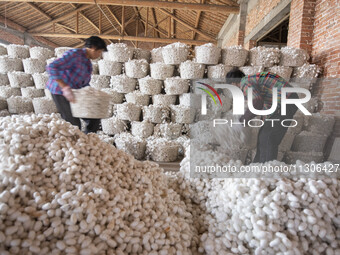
[[198, 16], [127, 38], [187, 25], [61, 18], [147, 3], [89, 21]]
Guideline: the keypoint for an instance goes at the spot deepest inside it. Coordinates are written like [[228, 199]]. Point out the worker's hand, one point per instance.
[[68, 94]]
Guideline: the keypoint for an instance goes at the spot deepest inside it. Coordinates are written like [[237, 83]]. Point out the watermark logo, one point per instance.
[[238, 100], [204, 98]]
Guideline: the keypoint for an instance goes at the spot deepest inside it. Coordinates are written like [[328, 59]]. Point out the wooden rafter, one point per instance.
[[89, 21], [187, 25], [127, 38], [15, 26], [156, 29], [147, 3], [147, 22], [32, 5], [153, 12], [67, 28], [198, 17], [123, 21], [61, 18]]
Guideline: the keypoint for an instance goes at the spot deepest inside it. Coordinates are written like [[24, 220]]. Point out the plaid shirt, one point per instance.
[[74, 68], [263, 84]]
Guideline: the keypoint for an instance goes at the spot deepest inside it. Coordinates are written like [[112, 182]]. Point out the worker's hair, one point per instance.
[[235, 73], [235, 76], [95, 42]]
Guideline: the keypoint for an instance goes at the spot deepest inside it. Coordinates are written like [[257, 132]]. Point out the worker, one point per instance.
[[272, 132], [73, 71]]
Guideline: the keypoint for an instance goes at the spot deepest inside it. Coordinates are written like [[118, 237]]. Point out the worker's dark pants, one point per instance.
[[270, 137], [64, 108]]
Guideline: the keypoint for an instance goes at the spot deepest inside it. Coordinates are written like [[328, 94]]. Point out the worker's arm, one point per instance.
[[56, 71]]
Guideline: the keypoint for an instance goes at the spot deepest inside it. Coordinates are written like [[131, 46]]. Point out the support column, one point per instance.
[[301, 22]]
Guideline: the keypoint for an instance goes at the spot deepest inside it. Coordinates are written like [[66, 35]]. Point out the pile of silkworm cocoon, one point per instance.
[[64, 192]]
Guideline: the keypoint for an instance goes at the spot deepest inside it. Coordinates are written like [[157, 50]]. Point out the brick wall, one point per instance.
[[233, 41], [258, 12], [326, 53], [8, 37]]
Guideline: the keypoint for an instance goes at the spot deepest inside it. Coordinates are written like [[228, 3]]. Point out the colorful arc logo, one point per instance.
[[209, 93]]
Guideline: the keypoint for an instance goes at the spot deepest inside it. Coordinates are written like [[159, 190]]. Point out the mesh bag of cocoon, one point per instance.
[[100, 81], [123, 84], [119, 52], [218, 71], [168, 130], [40, 80], [320, 124], [48, 94], [182, 114], [110, 68], [284, 71], [32, 65], [134, 146], [138, 98], [156, 55], [142, 129], [155, 114], [91, 103], [59, 52], [50, 60], [3, 103], [129, 111], [4, 81], [32, 92], [176, 86], [44, 105], [137, 68], [95, 67], [164, 100], [291, 157], [293, 57], [3, 50], [150, 86], [175, 53], [141, 54], [207, 54], [113, 126], [4, 113], [307, 71], [309, 141], [251, 70], [161, 71], [41, 53], [7, 91], [190, 100], [8, 64], [116, 98], [18, 51], [20, 79], [191, 70], [18, 104], [234, 56], [162, 150], [262, 56]]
